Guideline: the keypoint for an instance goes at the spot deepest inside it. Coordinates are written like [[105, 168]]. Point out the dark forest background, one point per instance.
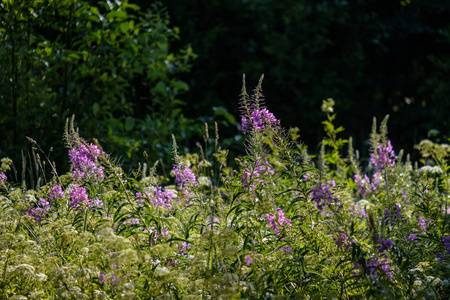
[[135, 72]]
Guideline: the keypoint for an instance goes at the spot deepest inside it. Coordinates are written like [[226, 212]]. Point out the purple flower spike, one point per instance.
[[41, 211], [3, 178], [79, 198], [184, 248], [262, 119], [56, 192], [281, 220], [323, 197], [272, 223], [397, 216], [259, 121], [101, 277], [374, 263], [263, 168], [85, 162], [165, 197], [343, 242], [184, 176], [244, 123], [383, 156], [446, 241], [422, 224], [385, 244]]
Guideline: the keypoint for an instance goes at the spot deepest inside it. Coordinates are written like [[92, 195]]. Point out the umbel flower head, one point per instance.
[[254, 115]]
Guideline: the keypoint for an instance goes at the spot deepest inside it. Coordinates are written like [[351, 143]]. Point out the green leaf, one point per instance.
[[175, 113], [156, 74], [124, 27], [179, 85], [160, 88], [95, 108], [132, 6], [48, 50], [129, 123], [116, 16], [73, 55], [222, 111]]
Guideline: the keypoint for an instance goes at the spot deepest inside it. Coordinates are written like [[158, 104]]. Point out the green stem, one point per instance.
[[85, 219], [4, 275]]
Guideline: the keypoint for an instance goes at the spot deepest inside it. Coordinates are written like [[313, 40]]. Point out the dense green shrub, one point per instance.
[[108, 63], [281, 225]]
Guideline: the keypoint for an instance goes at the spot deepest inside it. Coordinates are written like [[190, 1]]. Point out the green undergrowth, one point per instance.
[[282, 224]]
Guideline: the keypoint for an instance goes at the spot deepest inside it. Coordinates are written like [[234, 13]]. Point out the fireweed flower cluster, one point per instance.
[[383, 156], [215, 220], [374, 264], [412, 237], [157, 236], [360, 210], [185, 178], [365, 185], [323, 197], [183, 175], [56, 192], [254, 115], [162, 197], [101, 277], [422, 224], [42, 210], [343, 242], [259, 121], [132, 221], [114, 279], [85, 162], [286, 250], [98, 203], [253, 178], [3, 178], [79, 198], [184, 248], [278, 220], [378, 262]]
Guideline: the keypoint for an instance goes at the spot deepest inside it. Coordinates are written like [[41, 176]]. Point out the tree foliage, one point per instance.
[[372, 59], [111, 64]]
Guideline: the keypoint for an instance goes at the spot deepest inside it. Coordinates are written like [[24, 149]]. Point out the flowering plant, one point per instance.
[[280, 223]]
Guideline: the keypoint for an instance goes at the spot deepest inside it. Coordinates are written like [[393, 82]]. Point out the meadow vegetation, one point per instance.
[[275, 223]]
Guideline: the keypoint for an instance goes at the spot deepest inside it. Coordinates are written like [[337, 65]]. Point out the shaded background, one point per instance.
[[135, 72], [373, 57]]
